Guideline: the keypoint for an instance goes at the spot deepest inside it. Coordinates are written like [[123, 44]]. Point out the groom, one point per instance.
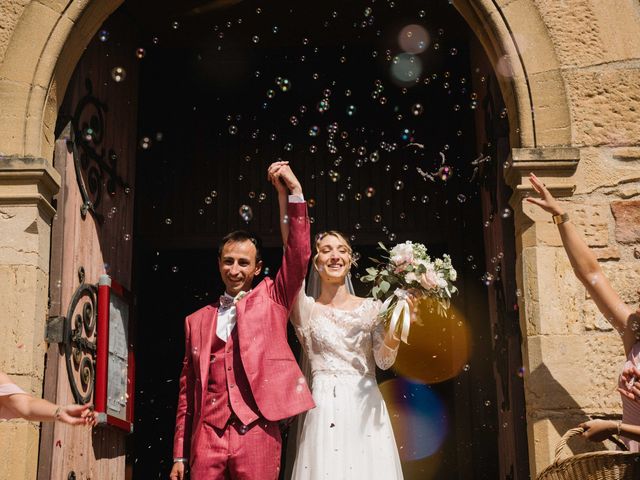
[[239, 376]]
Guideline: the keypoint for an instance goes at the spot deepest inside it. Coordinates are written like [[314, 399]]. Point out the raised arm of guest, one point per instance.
[[587, 268], [15, 403]]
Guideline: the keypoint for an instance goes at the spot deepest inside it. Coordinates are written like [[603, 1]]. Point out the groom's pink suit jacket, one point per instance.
[[275, 380]]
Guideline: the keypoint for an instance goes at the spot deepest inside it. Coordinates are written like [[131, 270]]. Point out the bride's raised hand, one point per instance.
[[274, 176], [546, 200]]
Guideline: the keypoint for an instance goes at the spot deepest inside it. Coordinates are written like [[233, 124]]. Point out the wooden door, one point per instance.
[[492, 119], [92, 235]]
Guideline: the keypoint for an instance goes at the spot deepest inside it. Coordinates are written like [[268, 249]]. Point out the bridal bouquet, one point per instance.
[[408, 269]]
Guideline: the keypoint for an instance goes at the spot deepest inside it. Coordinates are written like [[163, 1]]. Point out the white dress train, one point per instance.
[[348, 435]]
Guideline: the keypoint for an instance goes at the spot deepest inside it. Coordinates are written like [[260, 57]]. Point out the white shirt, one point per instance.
[[226, 321]]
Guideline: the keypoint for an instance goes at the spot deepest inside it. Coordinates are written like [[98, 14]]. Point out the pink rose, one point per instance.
[[429, 280]]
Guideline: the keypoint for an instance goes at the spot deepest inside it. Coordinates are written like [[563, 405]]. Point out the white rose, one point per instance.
[[453, 275], [411, 277], [402, 254]]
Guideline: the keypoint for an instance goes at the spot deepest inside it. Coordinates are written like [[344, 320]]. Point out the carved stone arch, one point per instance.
[[522, 53]]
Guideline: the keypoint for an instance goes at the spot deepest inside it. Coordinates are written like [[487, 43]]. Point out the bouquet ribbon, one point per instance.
[[400, 317]]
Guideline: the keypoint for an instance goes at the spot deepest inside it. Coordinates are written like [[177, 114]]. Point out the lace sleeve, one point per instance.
[[301, 309], [384, 356]]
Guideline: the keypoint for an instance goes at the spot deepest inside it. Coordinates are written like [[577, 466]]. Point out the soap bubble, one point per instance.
[[118, 74], [417, 109], [246, 213]]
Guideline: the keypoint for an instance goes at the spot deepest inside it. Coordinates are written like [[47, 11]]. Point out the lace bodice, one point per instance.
[[342, 341]]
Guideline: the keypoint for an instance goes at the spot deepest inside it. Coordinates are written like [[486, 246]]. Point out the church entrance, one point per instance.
[[391, 116]]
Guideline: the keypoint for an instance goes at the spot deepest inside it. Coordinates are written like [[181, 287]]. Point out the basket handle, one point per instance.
[[562, 443]]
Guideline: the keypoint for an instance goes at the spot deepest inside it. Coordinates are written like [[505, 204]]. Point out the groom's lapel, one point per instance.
[[207, 330]]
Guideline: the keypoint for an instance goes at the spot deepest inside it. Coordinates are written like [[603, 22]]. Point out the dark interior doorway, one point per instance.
[[228, 87]]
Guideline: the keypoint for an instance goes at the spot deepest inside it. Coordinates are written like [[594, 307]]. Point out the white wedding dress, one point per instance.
[[348, 435]]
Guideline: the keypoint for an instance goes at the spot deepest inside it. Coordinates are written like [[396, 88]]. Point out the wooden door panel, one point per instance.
[[92, 232]]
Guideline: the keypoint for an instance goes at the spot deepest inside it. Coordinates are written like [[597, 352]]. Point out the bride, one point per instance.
[[349, 434]]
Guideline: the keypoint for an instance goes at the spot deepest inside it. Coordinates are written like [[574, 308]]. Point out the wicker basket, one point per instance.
[[606, 465]]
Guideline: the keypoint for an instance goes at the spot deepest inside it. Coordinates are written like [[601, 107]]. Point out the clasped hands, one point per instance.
[[282, 178]]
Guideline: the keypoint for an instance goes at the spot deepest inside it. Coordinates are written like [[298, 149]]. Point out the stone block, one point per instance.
[[551, 109], [625, 279], [607, 253], [569, 372], [604, 167], [620, 29], [592, 319], [27, 43], [24, 302], [552, 293], [605, 105], [574, 30], [627, 216], [10, 13], [13, 98], [21, 236], [628, 191], [593, 222], [18, 450], [530, 35]]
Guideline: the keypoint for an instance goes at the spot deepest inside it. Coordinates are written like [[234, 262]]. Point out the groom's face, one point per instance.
[[238, 266]]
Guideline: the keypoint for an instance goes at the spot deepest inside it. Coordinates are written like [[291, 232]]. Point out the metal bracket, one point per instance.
[[54, 330], [76, 333]]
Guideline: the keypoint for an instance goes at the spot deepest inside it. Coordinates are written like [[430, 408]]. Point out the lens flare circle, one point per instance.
[[419, 418], [438, 349], [406, 68], [414, 39]]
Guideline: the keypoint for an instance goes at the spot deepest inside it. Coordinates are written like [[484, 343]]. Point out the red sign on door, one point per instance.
[[115, 367]]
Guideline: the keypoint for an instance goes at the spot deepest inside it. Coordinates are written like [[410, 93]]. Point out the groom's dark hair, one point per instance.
[[241, 236]]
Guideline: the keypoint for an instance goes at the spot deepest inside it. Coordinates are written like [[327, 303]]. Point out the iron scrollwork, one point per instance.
[[79, 340], [96, 166]]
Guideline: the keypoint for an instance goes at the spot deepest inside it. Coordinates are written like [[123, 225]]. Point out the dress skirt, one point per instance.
[[348, 435]]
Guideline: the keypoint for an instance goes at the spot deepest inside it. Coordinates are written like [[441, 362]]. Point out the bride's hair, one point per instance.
[[339, 236]]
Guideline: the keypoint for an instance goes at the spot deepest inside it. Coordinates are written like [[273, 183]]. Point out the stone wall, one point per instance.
[[573, 80], [26, 188]]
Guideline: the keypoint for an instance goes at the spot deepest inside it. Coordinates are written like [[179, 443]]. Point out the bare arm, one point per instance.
[[599, 430], [587, 269], [40, 410]]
